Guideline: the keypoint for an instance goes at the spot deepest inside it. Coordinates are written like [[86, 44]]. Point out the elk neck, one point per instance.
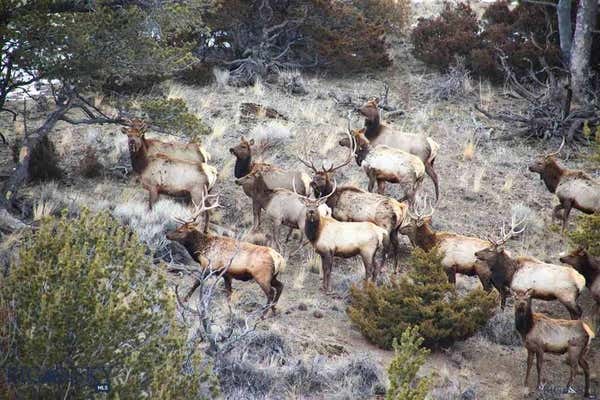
[[425, 237], [194, 243], [373, 128], [312, 228], [503, 269], [242, 166], [362, 152], [589, 271], [552, 174], [524, 319], [325, 190], [139, 159]]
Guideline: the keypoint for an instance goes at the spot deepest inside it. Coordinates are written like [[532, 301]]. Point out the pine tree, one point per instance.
[[409, 356]]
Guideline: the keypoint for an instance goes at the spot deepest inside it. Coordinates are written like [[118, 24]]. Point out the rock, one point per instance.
[[302, 307], [318, 314], [469, 394]]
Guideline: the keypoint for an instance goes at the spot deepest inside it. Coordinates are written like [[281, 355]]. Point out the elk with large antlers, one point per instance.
[[192, 152], [230, 258], [574, 188], [588, 266], [351, 204], [387, 164], [546, 281], [458, 250], [542, 334], [377, 133], [274, 177], [160, 173], [331, 238]]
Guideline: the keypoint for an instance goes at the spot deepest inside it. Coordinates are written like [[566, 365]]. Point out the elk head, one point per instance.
[[370, 110], [135, 134], [522, 300], [322, 178], [313, 206], [494, 254], [189, 228], [545, 160], [577, 258], [242, 150]]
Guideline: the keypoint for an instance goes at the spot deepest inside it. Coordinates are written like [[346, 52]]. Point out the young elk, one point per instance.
[[546, 281], [230, 258], [183, 151], [574, 188], [542, 334], [588, 266], [283, 206], [458, 250], [274, 177], [387, 164], [351, 204], [377, 133], [159, 173], [331, 238]]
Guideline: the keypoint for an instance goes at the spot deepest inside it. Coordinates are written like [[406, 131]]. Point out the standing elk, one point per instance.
[[159, 173], [546, 281], [588, 266], [458, 251], [542, 334], [283, 206], [387, 164], [377, 133], [230, 258], [574, 188], [351, 204], [183, 151], [274, 177], [331, 238]]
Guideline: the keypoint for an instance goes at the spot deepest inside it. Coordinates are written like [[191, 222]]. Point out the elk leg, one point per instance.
[[586, 373], [573, 358], [568, 204], [395, 246], [451, 273], [269, 292], [153, 196], [371, 183], [529, 362], [539, 360], [574, 309], [287, 238], [278, 289], [368, 263], [326, 262], [228, 290], [380, 186], [256, 215], [504, 295], [192, 289], [433, 175], [556, 212]]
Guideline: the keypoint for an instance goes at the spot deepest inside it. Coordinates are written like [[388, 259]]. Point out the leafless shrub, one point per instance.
[[456, 83]]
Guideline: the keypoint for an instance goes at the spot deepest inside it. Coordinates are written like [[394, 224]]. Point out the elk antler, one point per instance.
[[351, 152], [419, 212], [202, 208], [557, 151], [320, 200], [514, 224]]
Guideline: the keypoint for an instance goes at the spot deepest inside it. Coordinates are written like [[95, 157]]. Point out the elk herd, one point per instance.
[[347, 221]]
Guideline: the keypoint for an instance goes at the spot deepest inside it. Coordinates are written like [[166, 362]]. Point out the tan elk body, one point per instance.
[[232, 258], [542, 334], [573, 188], [425, 148]]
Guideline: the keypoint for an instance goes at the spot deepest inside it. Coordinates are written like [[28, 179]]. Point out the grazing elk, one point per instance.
[[159, 173], [282, 205], [546, 281], [377, 133], [458, 250], [387, 164], [183, 151], [230, 258], [274, 177], [588, 266], [542, 334], [351, 204], [574, 188], [331, 238]]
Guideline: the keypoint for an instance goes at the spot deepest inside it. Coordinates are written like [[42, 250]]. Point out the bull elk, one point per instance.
[[542, 334], [458, 250], [379, 134], [160, 173], [230, 258], [274, 177], [588, 266], [387, 164], [331, 238], [183, 151], [546, 281], [351, 204], [574, 188]]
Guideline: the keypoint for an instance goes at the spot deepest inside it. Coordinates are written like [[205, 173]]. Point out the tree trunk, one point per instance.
[[582, 46], [565, 28], [20, 175]]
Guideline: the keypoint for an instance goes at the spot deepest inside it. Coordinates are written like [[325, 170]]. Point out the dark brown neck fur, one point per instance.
[[243, 166], [139, 159], [312, 229], [503, 269], [552, 174], [194, 243], [589, 271], [362, 152], [524, 319], [425, 237], [373, 128]]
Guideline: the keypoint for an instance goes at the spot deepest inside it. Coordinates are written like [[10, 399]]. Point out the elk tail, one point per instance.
[[279, 262]]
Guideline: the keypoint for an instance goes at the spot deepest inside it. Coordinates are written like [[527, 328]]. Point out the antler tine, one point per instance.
[[514, 224], [179, 220], [348, 159], [562, 144], [323, 199], [295, 191], [202, 207], [309, 164]]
